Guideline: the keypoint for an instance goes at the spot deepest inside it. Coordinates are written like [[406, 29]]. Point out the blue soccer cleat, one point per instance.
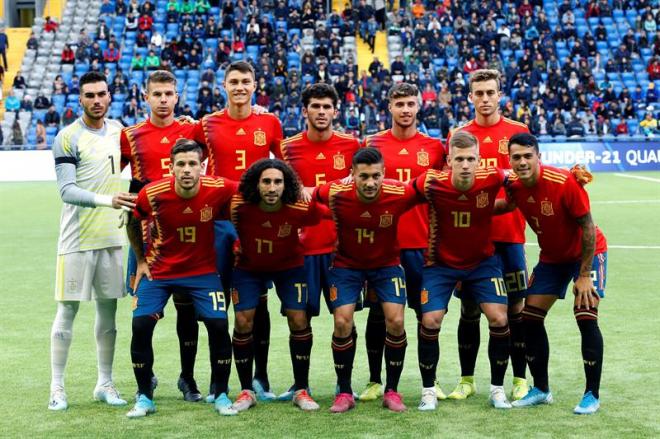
[[588, 406], [535, 396], [224, 406], [143, 407], [108, 393], [288, 395], [263, 394]]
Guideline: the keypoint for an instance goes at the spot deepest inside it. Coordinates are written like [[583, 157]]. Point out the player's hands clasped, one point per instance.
[[124, 200], [585, 293]]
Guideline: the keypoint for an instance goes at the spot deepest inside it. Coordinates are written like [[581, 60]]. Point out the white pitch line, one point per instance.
[[639, 177], [626, 202], [634, 247]]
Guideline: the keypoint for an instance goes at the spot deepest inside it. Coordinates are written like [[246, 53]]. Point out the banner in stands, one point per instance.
[[603, 156]]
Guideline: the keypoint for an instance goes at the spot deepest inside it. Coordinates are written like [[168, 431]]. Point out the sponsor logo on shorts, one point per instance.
[[424, 297], [333, 293]]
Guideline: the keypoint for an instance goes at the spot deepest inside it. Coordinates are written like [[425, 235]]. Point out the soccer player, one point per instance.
[[146, 146], [493, 132], [318, 155], [267, 216], [366, 213], [235, 138], [89, 254], [460, 250], [407, 153], [180, 258], [556, 207]]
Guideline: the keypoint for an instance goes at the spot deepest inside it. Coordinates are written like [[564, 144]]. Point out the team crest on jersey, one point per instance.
[[482, 200], [424, 297], [503, 147], [333, 293], [423, 158], [259, 138], [546, 208], [386, 220], [284, 231], [338, 162], [234, 296], [206, 214]]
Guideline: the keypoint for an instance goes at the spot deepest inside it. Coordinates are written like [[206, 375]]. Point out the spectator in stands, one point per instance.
[[95, 52], [120, 8], [152, 62], [145, 22], [40, 132], [41, 102], [32, 42], [651, 94], [11, 102], [649, 25], [621, 128], [142, 39], [146, 8], [52, 117], [131, 22], [68, 55], [137, 62], [653, 69], [558, 127], [50, 25], [19, 81], [111, 54], [26, 103], [4, 45], [238, 46], [180, 61], [202, 7], [649, 125], [102, 31], [16, 134], [575, 128], [156, 40], [604, 126]]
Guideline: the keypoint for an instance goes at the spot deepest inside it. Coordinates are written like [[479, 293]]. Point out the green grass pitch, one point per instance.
[[627, 209]]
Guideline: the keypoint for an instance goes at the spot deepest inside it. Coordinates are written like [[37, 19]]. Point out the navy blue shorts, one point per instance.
[[412, 261], [346, 285], [225, 236], [482, 284], [514, 268], [205, 290], [553, 279], [317, 268], [131, 270], [248, 287]]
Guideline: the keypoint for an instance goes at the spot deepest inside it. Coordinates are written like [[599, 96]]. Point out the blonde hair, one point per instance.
[[463, 140]]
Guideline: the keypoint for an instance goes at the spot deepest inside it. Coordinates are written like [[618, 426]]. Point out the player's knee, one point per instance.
[[217, 328], [143, 325], [432, 320], [343, 324], [394, 324], [498, 320], [297, 320], [243, 322]]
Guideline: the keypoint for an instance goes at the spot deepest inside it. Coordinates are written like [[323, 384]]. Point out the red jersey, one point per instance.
[[367, 231], [460, 221], [551, 208], [493, 149], [405, 160], [269, 240], [147, 147], [317, 163], [233, 144], [183, 239]]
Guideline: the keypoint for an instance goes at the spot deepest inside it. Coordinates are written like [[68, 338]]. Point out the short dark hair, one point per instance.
[[250, 180], [241, 66], [161, 76], [320, 91], [483, 75], [367, 156], [90, 78], [524, 139], [186, 145], [402, 90]]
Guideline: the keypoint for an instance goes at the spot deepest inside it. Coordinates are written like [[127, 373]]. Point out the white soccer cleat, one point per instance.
[[109, 394], [303, 400], [498, 398], [429, 400], [245, 400], [143, 407], [57, 400]]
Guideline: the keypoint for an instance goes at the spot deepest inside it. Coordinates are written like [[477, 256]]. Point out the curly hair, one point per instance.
[[248, 186]]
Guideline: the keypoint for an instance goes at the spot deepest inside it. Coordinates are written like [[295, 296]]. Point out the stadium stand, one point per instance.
[[587, 69]]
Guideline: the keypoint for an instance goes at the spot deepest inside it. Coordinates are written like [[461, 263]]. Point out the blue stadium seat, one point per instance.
[[617, 13], [601, 45], [631, 13], [434, 132], [633, 125]]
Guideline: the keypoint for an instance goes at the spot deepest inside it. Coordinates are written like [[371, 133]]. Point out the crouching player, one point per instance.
[[180, 258], [556, 207], [267, 215], [460, 250], [366, 214]]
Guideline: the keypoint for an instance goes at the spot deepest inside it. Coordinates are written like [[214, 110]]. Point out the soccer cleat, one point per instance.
[[498, 398], [355, 395], [223, 405], [372, 392], [464, 389], [108, 393], [286, 396], [245, 400], [57, 400], [589, 405], [519, 389], [154, 384], [438, 391], [142, 407], [262, 394], [429, 400], [392, 400], [343, 403], [534, 397], [302, 399], [189, 389]]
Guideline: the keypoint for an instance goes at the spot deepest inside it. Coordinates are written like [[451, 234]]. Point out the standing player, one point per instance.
[[366, 213], [235, 138], [267, 216], [147, 146], [407, 153], [557, 208], [460, 250], [493, 132], [180, 259], [318, 155], [89, 261]]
